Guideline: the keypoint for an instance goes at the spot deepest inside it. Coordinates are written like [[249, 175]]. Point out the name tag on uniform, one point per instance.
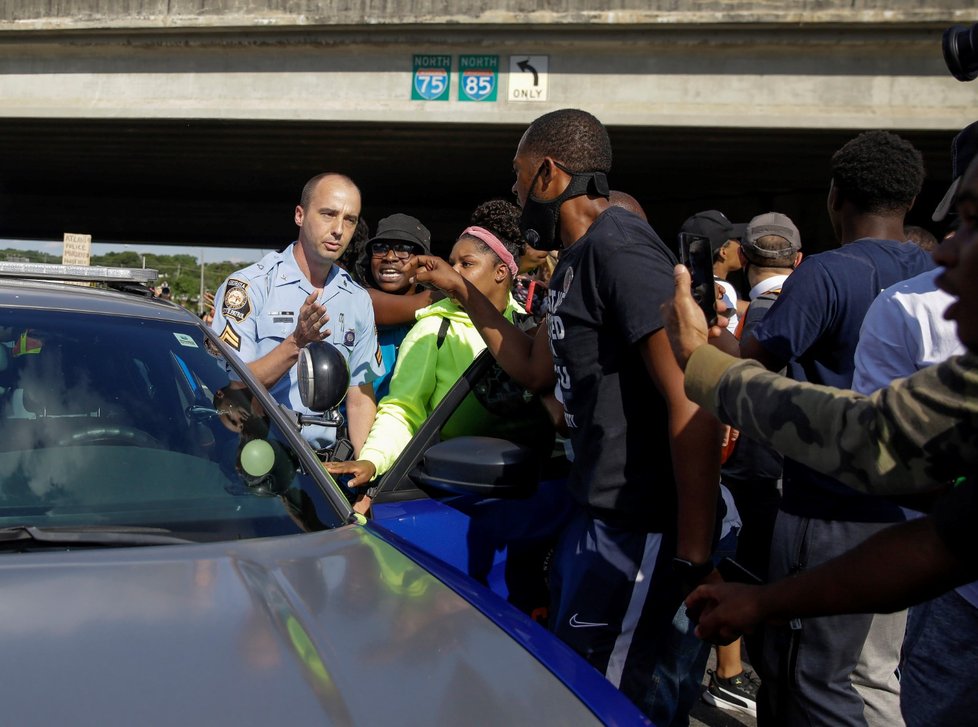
[[284, 316]]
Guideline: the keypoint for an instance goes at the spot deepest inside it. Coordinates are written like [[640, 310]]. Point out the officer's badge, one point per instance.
[[237, 304], [230, 337]]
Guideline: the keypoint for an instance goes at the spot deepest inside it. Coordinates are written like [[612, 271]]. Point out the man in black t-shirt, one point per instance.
[[646, 460]]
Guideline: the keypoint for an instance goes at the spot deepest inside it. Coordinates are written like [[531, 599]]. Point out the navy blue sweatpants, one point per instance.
[[613, 597]]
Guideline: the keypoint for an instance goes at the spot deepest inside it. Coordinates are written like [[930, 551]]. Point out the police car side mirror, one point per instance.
[[323, 376], [482, 466]]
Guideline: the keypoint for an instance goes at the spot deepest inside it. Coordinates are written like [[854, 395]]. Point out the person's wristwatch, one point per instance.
[[691, 574]]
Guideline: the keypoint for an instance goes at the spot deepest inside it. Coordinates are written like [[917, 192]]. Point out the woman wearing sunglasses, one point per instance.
[[380, 269]]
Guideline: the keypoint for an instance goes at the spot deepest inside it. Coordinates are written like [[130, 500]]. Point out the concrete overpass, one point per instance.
[[196, 122]]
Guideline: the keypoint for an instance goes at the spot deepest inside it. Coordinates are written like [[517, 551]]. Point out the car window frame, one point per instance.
[[391, 487], [286, 424]]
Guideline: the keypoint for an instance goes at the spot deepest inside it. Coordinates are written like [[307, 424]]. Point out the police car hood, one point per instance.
[[332, 627]]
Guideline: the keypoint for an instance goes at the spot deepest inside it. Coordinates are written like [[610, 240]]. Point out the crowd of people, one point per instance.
[[682, 452]]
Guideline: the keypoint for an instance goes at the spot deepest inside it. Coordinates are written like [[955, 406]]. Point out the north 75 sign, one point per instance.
[[430, 78]]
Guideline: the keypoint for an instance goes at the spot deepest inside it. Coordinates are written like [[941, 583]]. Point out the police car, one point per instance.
[[172, 552]]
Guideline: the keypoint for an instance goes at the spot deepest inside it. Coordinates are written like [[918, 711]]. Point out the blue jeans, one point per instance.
[[939, 663], [678, 676]]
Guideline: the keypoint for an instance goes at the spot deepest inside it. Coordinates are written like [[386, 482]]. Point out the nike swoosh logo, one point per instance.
[[578, 624]]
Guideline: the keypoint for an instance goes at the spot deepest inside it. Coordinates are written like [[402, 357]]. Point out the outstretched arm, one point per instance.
[[527, 359], [401, 413], [897, 567], [911, 437], [392, 310]]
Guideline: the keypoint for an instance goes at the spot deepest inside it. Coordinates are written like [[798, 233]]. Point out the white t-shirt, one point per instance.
[[904, 331]]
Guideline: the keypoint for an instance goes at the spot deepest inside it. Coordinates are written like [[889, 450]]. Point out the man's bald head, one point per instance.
[[627, 202]]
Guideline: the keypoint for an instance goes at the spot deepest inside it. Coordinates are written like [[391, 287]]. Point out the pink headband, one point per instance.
[[481, 233]]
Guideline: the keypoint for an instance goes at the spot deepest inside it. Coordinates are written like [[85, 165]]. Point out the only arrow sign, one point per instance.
[[525, 66]]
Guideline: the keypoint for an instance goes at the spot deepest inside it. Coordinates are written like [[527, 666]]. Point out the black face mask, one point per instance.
[[540, 218]]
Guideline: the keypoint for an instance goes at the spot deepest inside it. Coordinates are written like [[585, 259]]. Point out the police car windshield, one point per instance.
[[128, 422]]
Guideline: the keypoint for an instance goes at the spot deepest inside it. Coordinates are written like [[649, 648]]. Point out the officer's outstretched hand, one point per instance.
[[312, 318], [437, 272]]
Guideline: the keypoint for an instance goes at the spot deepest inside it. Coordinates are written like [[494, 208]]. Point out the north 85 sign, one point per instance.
[[431, 75], [478, 78]]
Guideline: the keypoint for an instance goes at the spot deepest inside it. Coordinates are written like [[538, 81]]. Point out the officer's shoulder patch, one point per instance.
[[236, 304], [379, 355], [230, 337]]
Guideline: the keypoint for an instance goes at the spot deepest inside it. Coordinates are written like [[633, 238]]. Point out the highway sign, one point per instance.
[[528, 78], [478, 78], [430, 77]]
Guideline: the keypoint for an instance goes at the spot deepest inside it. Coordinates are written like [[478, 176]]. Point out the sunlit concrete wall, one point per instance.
[[815, 64], [154, 14]]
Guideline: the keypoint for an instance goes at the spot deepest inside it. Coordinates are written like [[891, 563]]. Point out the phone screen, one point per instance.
[[696, 255]]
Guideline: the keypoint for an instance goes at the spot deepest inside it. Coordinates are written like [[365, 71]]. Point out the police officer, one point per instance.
[[270, 310]]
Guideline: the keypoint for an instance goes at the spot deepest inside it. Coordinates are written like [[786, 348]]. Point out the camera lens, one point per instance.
[[960, 45]]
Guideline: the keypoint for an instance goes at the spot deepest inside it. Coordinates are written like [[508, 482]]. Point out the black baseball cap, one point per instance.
[[714, 225], [402, 227]]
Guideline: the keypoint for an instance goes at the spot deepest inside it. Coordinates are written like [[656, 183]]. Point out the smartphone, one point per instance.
[[733, 572], [695, 253], [531, 293], [536, 294]]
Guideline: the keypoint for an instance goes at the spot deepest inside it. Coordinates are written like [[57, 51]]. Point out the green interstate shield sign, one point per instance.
[[478, 78], [430, 77]]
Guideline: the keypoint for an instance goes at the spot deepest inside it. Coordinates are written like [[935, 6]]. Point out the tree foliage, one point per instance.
[[180, 272]]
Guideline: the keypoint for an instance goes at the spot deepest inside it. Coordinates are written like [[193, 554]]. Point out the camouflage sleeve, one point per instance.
[[914, 435]]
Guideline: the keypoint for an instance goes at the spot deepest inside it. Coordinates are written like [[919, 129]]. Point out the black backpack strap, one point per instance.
[[443, 331]]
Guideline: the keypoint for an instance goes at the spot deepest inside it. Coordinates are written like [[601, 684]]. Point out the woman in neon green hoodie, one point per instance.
[[427, 369]]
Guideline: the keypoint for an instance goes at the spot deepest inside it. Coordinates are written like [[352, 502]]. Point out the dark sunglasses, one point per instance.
[[402, 250]]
